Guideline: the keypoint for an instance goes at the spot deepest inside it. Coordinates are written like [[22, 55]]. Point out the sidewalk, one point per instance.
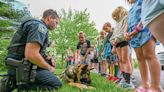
[[138, 78]]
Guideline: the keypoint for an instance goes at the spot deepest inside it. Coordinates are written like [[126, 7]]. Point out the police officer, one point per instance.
[[30, 42]]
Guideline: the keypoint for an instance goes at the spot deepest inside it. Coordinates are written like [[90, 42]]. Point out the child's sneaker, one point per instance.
[[94, 71], [127, 85], [115, 79], [110, 77], [103, 75], [120, 81], [133, 80]]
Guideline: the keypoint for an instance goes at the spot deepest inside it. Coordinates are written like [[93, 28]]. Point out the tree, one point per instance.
[[71, 23], [10, 18]]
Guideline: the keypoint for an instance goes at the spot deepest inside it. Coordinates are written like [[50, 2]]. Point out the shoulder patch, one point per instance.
[[42, 29]]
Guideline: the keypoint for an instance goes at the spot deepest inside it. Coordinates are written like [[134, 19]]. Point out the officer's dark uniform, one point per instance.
[[30, 31], [33, 31]]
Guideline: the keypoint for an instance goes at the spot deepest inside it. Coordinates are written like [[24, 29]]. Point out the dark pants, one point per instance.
[[122, 44], [44, 80]]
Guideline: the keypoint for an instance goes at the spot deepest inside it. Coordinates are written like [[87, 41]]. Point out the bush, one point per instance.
[[5, 40]]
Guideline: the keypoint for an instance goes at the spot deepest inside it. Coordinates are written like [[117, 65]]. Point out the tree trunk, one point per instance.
[[62, 60]]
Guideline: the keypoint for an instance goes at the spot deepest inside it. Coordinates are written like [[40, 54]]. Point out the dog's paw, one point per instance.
[[90, 87], [83, 87]]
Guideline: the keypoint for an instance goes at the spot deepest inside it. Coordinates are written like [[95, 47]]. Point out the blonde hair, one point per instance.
[[81, 33], [120, 12]]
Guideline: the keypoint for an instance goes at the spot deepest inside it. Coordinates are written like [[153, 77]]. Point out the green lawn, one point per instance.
[[100, 83]]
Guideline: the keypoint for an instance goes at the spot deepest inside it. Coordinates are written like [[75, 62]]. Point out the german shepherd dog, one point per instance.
[[78, 76]]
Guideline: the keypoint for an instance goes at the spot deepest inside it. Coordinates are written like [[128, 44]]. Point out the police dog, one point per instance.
[[78, 76]]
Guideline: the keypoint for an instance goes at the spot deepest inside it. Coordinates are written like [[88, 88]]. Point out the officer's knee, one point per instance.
[[59, 84], [56, 85]]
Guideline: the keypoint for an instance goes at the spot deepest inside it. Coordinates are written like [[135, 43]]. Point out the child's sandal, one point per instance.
[[142, 89]]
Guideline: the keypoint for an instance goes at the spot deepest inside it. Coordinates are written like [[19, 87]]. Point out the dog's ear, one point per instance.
[[90, 68], [78, 65], [85, 67]]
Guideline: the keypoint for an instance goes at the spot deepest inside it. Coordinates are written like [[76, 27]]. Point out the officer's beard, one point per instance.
[[51, 28]]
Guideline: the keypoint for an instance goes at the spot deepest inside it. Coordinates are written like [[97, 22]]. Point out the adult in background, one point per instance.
[[83, 48]]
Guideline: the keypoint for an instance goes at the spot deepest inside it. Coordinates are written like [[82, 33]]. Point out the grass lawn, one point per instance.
[[100, 83]]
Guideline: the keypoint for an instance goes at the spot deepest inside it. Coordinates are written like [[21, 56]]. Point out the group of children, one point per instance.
[[131, 32], [135, 29], [144, 41]]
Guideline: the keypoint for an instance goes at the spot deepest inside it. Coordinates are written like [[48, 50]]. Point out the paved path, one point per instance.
[[138, 78]]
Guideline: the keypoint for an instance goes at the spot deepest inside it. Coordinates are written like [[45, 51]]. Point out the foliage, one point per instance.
[[6, 10], [8, 18], [5, 23], [5, 40], [71, 23], [11, 16]]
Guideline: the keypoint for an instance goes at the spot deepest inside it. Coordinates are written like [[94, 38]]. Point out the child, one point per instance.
[[153, 17], [51, 53], [92, 56], [114, 69], [108, 52], [69, 57], [144, 45], [122, 46], [76, 58], [83, 48], [95, 59], [100, 47]]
